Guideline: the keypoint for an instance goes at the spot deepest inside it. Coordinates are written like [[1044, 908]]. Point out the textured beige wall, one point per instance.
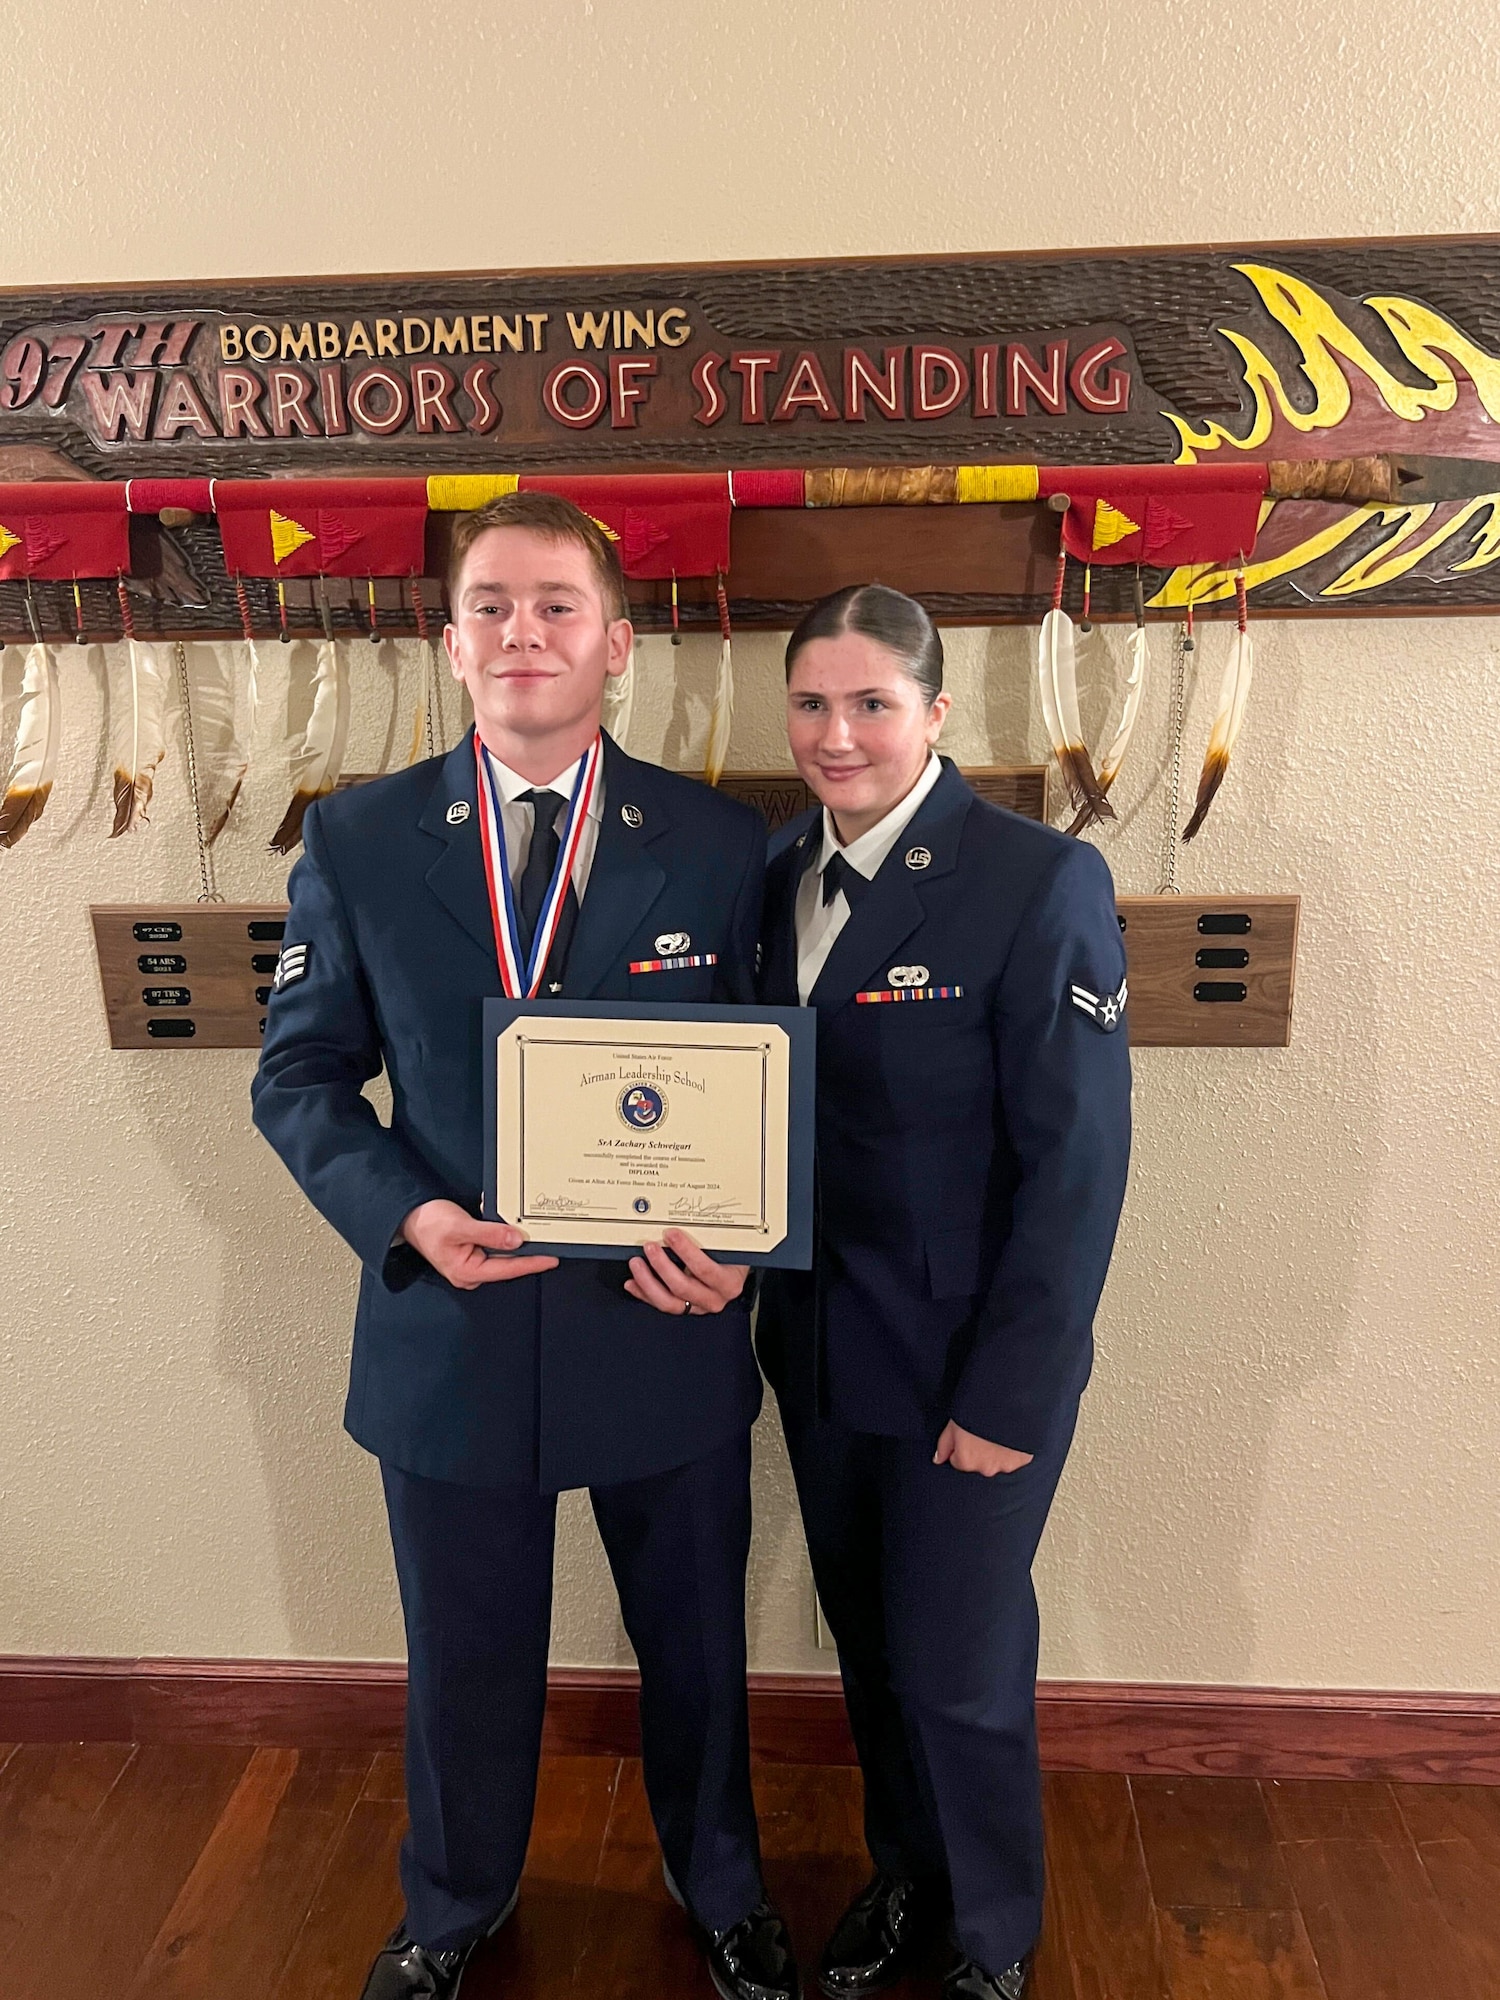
[[1287, 1468]]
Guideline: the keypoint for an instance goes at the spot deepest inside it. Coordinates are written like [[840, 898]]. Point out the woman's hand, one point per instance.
[[695, 1284], [967, 1453]]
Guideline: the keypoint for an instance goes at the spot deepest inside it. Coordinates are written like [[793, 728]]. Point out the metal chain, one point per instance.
[[1176, 722], [205, 858]]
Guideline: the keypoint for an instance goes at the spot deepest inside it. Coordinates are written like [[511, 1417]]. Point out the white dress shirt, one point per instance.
[[516, 819], [819, 923]]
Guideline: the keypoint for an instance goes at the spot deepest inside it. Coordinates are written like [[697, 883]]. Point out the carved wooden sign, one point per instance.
[[1185, 355]]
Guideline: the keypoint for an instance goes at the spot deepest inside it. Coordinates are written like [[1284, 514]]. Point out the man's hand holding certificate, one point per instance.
[[612, 1124]]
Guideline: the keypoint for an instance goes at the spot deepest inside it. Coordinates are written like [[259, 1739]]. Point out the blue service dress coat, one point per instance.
[[972, 1146], [561, 1378]]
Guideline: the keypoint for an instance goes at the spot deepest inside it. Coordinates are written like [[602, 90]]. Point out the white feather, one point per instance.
[[619, 704], [1135, 688], [318, 760], [223, 751], [38, 736], [1054, 659], [142, 741], [1234, 692], [721, 716]]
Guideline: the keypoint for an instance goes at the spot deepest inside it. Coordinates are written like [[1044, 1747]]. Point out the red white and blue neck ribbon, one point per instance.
[[522, 980]]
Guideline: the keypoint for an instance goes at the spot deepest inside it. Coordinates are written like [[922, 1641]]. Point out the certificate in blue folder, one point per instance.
[[608, 1122]]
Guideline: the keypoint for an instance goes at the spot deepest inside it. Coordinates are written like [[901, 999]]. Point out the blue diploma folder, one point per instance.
[[794, 1251]]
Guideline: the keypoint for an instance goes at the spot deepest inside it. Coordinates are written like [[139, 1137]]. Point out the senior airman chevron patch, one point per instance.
[[291, 966]]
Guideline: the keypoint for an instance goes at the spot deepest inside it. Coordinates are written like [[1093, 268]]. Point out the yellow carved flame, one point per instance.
[[1431, 344]]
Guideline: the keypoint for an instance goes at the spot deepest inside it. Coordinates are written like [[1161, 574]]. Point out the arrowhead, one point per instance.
[[1163, 526], [8, 541], [1111, 526], [287, 536], [336, 536], [42, 541]]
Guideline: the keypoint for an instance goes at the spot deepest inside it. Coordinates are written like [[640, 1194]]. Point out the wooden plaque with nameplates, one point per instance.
[[1206, 972]]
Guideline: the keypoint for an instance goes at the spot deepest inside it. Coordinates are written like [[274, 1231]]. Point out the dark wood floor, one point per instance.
[[192, 1873]]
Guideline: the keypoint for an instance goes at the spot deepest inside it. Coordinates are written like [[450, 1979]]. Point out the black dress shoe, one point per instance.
[[753, 1959], [969, 1981], [882, 1936], [406, 1970]]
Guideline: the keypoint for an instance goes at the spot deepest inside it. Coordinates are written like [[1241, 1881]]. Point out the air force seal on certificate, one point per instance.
[[605, 1126], [1105, 1010]]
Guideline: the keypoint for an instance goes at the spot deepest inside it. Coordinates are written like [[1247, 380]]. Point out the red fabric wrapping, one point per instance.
[[354, 527], [149, 496], [64, 528], [767, 489], [667, 523], [1182, 513]]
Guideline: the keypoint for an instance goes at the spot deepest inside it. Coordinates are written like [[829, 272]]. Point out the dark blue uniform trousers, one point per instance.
[[924, 1575], [475, 1568]]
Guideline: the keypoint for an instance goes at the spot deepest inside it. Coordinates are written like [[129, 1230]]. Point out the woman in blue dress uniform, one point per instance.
[[973, 1121]]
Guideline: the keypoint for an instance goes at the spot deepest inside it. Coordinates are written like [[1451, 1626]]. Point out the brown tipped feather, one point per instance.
[[1057, 678], [1234, 691], [1215, 764], [287, 835], [143, 744], [19, 810], [28, 785], [319, 759]]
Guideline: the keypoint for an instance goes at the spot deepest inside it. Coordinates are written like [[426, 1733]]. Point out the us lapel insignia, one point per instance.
[[1106, 1010], [918, 857], [908, 975], [672, 942], [291, 966], [458, 812], [632, 816]]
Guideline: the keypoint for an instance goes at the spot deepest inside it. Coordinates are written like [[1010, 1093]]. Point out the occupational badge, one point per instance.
[[672, 942], [908, 975]]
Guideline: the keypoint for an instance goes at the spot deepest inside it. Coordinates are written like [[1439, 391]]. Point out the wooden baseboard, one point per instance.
[[1415, 1738]]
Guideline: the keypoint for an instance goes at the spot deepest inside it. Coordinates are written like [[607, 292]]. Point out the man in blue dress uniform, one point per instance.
[[485, 1379]]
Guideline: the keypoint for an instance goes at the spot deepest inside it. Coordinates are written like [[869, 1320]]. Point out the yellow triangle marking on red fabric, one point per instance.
[[287, 536], [8, 541], [1111, 526]]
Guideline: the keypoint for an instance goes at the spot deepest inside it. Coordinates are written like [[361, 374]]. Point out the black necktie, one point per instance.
[[840, 874], [541, 859]]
